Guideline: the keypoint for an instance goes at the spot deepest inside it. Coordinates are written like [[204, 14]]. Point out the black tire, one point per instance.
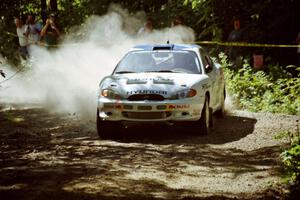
[[106, 129], [205, 122], [221, 112], [211, 120]]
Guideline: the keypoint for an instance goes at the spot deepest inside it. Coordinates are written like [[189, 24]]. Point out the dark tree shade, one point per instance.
[[53, 6], [44, 10], [265, 21]]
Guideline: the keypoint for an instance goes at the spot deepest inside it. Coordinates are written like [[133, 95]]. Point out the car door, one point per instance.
[[218, 84], [211, 71]]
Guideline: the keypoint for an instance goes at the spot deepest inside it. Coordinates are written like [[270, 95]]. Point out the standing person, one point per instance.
[[180, 30], [298, 50], [179, 20], [23, 42], [147, 28], [33, 30], [50, 32], [236, 35]]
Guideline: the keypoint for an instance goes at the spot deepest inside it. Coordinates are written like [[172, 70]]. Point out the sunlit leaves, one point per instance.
[[31, 8], [255, 90], [194, 3]]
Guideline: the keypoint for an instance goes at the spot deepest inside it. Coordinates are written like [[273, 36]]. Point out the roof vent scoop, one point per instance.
[[163, 47]]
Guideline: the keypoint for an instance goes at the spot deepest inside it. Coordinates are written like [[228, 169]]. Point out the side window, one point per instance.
[[206, 61], [209, 61], [203, 59]]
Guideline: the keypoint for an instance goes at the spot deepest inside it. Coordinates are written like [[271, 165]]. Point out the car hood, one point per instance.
[[165, 84]]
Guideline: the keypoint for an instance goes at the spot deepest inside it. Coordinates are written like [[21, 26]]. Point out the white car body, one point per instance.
[[163, 95]]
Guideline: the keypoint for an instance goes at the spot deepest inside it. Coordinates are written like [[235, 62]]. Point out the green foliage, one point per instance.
[[211, 19], [291, 159], [281, 135], [258, 18], [32, 7], [273, 91]]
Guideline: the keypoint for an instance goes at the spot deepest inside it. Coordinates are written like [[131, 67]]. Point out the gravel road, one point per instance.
[[47, 155]]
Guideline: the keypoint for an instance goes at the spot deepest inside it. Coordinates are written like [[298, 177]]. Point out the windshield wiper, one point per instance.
[[124, 72]]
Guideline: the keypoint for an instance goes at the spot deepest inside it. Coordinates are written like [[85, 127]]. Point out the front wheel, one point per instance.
[[205, 122], [106, 129]]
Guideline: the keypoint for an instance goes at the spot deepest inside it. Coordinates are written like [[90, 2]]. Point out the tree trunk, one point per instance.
[[44, 10], [53, 6]]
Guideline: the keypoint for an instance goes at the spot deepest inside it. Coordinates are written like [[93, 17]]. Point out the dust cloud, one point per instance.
[[66, 79]]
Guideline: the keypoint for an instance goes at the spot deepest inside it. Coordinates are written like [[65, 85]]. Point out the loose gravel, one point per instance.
[[52, 156]]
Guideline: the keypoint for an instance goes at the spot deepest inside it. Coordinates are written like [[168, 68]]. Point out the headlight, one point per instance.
[[184, 94], [110, 94]]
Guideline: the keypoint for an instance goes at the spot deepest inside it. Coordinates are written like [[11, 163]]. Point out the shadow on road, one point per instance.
[[50, 156], [226, 129]]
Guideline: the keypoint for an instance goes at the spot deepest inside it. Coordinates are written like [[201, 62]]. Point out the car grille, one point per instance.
[[146, 115], [142, 97]]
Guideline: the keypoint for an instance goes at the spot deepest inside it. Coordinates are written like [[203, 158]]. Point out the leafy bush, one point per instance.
[[273, 90], [291, 160]]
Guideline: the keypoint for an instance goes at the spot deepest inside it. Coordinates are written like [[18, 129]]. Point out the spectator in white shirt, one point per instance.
[[23, 41], [147, 28]]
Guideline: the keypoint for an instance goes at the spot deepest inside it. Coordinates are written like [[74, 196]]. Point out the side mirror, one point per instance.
[[2, 73], [208, 68]]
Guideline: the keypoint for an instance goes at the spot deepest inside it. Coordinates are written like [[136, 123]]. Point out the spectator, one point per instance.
[[181, 32], [147, 28], [50, 32], [23, 42], [33, 30], [179, 20], [298, 50], [236, 35]]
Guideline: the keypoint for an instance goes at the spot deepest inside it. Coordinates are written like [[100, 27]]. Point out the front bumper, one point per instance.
[[150, 111]]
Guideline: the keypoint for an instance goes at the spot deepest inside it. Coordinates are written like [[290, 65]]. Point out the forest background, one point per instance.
[[265, 21]]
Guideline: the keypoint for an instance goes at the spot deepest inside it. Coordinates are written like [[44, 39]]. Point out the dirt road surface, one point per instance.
[[53, 156]]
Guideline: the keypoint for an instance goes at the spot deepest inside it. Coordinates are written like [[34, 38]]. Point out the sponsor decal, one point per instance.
[[147, 92], [182, 106], [119, 107], [171, 107]]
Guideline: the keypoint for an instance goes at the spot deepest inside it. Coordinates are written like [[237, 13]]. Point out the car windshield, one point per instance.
[[159, 61]]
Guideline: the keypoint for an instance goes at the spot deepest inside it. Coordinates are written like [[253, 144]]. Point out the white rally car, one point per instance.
[[163, 84]]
